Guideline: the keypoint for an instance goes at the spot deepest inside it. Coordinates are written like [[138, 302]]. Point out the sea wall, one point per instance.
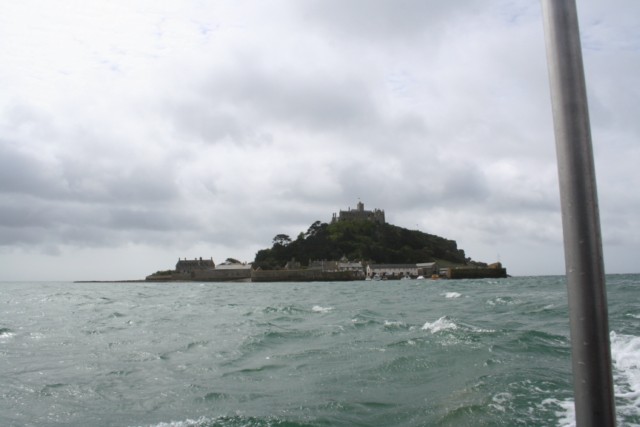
[[226, 275], [247, 275], [476, 273], [303, 276]]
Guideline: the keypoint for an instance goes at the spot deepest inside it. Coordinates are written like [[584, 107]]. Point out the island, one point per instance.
[[356, 244]]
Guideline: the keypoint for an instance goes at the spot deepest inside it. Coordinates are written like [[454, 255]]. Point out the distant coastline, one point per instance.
[[111, 281]]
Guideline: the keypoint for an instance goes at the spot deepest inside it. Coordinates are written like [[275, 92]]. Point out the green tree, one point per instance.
[[282, 240]]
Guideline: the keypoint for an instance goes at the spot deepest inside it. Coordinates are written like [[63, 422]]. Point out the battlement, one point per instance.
[[376, 215]]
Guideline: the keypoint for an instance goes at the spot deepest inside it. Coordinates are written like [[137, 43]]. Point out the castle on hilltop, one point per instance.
[[376, 215]]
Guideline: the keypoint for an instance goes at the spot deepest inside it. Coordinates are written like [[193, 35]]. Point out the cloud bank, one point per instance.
[[132, 134]]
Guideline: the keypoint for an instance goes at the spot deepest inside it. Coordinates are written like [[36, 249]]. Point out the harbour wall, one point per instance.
[[304, 276], [227, 275], [247, 275], [476, 273]]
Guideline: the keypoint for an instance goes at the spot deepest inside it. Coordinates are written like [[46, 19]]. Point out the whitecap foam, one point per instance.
[[394, 324], [564, 410], [6, 334], [233, 420], [625, 355], [202, 421], [483, 330], [567, 417], [320, 309], [442, 324], [500, 401], [452, 295], [502, 301]]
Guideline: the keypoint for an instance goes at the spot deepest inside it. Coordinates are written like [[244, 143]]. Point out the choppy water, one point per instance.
[[405, 353]]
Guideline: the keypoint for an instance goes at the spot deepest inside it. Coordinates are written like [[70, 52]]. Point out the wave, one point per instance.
[[452, 295], [502, 301], [6, 333], [235, 421], [320, 309], [625, 355], [294, 309], [394, 324], [445, 323], [564, 410], [366, 318], [287, 309], [442, 324]]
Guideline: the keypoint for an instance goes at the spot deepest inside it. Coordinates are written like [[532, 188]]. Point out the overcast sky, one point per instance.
[[133, 133]]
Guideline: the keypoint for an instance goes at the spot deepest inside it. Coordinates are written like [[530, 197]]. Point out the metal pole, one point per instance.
[[591, 353]]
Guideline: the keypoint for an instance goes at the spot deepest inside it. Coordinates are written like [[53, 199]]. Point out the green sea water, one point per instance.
[[387, 353]]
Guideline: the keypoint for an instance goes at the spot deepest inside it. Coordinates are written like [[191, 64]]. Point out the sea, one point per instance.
[[367, 353]]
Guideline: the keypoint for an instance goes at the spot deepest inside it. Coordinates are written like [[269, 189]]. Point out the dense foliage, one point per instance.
[[358, 240]]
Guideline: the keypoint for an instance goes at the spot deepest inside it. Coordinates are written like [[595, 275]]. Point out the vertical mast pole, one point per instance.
[[591, 353]]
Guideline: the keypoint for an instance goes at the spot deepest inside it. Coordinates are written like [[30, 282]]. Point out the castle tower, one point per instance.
[[359, 213]]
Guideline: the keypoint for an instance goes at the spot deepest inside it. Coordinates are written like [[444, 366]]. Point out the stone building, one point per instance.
[[376, 215], [342, 265], [189, 265], [428, 269], [392, 270]]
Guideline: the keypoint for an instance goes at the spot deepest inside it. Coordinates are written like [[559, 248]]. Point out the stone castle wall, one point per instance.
[[376, 215]]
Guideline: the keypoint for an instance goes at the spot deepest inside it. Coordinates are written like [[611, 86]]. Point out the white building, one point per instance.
[[392, 270]]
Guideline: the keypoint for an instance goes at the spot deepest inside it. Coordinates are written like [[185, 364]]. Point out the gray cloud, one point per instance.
[[200, 130], [381, 21]]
